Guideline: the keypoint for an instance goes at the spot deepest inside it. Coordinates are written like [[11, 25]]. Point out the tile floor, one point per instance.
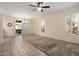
[[33, 45], [17, 46], [53, 47]]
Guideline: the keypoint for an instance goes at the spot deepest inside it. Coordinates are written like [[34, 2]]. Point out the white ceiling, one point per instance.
[[22, 9]]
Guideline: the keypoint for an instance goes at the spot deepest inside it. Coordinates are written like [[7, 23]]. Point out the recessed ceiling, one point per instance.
[[22, 9]]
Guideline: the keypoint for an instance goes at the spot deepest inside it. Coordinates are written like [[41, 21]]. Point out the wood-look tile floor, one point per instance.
[[53, 47], [17, 46], [34, 45]]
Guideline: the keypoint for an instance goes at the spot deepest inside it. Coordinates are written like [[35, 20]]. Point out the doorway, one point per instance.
[[18, 27]]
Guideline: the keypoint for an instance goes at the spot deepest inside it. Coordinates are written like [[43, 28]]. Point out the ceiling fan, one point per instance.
[[39, 6]]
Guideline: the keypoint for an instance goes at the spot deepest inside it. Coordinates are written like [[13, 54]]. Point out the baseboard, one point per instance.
[[56, 39]]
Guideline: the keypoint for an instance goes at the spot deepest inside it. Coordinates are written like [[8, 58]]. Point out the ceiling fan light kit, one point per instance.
[[39, 8]]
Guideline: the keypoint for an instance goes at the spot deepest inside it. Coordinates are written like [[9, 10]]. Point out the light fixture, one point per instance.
[[39, 8]]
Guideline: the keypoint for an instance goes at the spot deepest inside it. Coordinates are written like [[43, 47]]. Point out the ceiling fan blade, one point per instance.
[[41, 2], [45, 6], [34, 9], [38, 4], [32, 5]]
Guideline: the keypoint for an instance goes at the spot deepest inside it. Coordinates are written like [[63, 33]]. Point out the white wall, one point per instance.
[[9, 31], [27, 27], [55, 25]]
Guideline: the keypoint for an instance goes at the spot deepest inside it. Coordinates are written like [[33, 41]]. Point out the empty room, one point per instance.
[[39, 29]]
